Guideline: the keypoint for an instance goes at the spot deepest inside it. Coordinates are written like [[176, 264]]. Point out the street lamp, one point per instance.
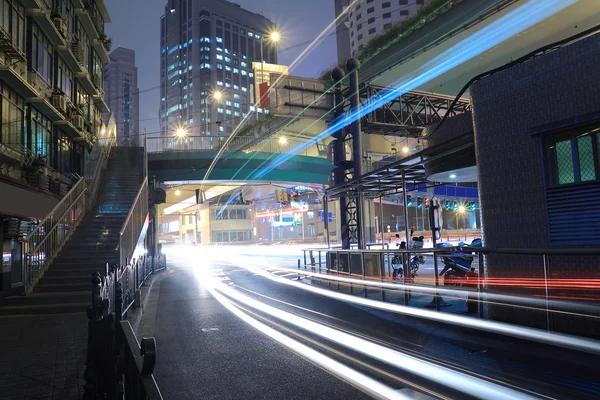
[[274, 37], [181, 133], [217, 95], [282, 140]]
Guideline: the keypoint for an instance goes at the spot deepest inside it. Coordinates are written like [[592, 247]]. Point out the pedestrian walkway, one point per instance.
[[42, 357]]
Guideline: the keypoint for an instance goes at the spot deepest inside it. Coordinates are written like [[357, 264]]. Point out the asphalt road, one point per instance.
[[226, 328]]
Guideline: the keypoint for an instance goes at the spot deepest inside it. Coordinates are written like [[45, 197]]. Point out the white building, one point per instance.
[[369, 18]]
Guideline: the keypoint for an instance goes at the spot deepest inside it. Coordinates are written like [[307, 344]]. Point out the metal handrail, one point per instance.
[[42, 245], [139, 210]]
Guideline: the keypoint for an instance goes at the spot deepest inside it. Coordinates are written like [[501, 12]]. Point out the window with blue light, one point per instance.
[[219, 83], [219, 57], [219, 40], [220, 110], [236, 71]]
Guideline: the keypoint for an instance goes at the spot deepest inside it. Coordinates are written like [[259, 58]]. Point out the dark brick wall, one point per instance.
[[557, 86]]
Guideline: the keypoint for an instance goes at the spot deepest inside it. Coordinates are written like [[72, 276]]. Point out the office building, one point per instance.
[[52, 100], [369, 18], [207, 47], [121, 93]]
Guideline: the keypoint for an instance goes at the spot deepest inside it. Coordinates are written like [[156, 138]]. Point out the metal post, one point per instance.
[[480, 285], [405, 201], [546, 265], [353, 65], [381, 218], [326, 219]]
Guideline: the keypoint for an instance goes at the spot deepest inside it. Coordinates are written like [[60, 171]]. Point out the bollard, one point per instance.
[[298, 269]]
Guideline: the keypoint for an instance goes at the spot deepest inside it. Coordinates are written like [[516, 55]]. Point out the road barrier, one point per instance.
[[117, 365]]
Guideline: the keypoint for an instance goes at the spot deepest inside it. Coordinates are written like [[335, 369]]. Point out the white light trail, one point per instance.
[[346, 373], [470, 385], [535, 335]]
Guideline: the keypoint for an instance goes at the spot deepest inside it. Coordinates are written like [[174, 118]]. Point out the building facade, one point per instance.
[[369, 18], [52, 55], [121, 93], [209, 47], [539, 174]]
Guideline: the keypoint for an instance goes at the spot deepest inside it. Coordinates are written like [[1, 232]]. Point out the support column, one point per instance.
[[352, 65]]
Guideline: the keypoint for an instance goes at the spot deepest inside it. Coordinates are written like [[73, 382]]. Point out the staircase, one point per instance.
[[66, 285]]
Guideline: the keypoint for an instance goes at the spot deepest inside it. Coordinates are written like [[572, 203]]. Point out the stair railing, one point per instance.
[[136, 219], [42, 245]]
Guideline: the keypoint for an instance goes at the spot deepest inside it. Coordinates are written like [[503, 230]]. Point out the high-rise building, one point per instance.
[[207, 47], [368, 18], [122, 94], [52, 55]]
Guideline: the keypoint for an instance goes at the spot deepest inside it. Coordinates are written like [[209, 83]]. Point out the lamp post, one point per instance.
[[274, 37], [217, 95]]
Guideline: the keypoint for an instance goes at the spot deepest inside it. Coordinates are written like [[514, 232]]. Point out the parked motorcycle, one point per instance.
[[458, 264], [414, 262]]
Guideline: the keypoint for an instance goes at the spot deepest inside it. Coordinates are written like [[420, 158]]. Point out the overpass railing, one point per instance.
[[247, 144], [42, 245], [530, 282]]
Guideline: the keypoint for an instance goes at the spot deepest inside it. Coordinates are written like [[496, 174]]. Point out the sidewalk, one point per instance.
[[42, 357]]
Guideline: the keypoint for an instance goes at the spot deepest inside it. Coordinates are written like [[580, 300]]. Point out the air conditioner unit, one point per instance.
[[59, 101], [78, 122], [60, 25]]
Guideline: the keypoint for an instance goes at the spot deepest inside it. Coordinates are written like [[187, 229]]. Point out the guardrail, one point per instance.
[[391, 270], [118, 366], [42, 245], [134, 223], [248, 144]]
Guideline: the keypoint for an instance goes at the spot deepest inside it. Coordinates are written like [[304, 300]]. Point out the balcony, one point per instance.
[[14, 76], [39, 4], [102, 47], [101, 103], [72, 54], [87, 22], [8, 46], [74, 127], [47, 25], [86, 81]]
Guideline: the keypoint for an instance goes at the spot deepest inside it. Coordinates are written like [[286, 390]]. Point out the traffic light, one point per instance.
[[409, 201], [295, 196], [242, 200], [285, 196], [455, 205], [419, 202], [278, 196], [472, 205], [426, 202], [447, 204]]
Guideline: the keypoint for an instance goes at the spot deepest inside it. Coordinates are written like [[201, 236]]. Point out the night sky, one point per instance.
[[136, 25]]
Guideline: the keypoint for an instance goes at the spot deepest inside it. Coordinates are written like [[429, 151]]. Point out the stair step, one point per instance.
[[61, 280], [83, 273], [62, 288], [38, 299], [81, 262], [45, 309]]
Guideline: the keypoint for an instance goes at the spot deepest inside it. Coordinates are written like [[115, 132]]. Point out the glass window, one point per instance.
[[13, 115], [370, 10], [41, 60], [386, 5], [573, 157]]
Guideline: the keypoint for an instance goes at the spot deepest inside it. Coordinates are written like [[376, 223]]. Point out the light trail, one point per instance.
[[536, 335], [334, 367], [474, 387], [513, 23]]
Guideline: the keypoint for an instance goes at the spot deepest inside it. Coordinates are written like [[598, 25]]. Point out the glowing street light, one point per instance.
[[180, 133], [282, 140], [217, 95], [461, 209], [177, 192], [274, 36], [405, 150]]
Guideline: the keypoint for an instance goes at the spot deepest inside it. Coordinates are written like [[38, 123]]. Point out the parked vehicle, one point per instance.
[[458, 264]]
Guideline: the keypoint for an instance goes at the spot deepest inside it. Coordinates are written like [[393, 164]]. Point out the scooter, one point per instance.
[[458, 264]]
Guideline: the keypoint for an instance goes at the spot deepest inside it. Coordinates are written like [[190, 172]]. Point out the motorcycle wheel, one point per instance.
[[450, 280]]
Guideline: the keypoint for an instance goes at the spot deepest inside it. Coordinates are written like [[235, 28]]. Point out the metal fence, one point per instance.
[[42, 245], [537, 289], [118, 366]]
